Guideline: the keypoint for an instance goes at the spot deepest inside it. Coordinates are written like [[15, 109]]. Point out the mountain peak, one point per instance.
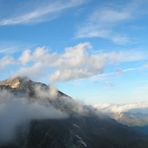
[[14, 82]]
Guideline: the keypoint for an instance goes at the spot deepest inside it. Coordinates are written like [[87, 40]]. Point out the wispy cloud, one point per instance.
[[4, 50], [118, 71], [5, 61], [103, 22], [145, 66], [45, 11], [7, 47]]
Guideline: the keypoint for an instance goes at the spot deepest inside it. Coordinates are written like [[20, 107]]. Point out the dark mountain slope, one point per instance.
[[141, 129], [81, 132]]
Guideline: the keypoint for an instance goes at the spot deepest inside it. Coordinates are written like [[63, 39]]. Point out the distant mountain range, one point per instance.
[[135, 114], [34, 115]]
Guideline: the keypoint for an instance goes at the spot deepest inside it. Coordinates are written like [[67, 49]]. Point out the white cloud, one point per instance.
[[70, 74], [33, 71], [48, 10], [25, 57], [77, 62]]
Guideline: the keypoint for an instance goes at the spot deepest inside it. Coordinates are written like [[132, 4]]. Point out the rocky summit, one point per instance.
[[18, 83], [12, 83], [72, 124]]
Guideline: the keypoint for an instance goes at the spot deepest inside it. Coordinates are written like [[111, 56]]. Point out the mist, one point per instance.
[[33, 101], [19, 111]]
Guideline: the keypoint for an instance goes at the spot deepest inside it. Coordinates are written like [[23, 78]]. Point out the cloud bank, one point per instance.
[[76, 62], [17, 112]]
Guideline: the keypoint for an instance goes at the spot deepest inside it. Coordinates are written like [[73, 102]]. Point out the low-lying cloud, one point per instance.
[[19, 111]]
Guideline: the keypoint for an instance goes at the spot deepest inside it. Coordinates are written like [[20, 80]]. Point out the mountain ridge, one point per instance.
[[133, 114]]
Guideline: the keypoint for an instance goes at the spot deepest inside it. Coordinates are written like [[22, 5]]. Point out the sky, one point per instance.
[[93, 50]]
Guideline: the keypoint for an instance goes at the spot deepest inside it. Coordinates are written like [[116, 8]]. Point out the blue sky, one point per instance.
[[93, 50]]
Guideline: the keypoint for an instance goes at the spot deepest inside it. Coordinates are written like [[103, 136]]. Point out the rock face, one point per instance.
[[82, 129], [13, 83], [20, 84]]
